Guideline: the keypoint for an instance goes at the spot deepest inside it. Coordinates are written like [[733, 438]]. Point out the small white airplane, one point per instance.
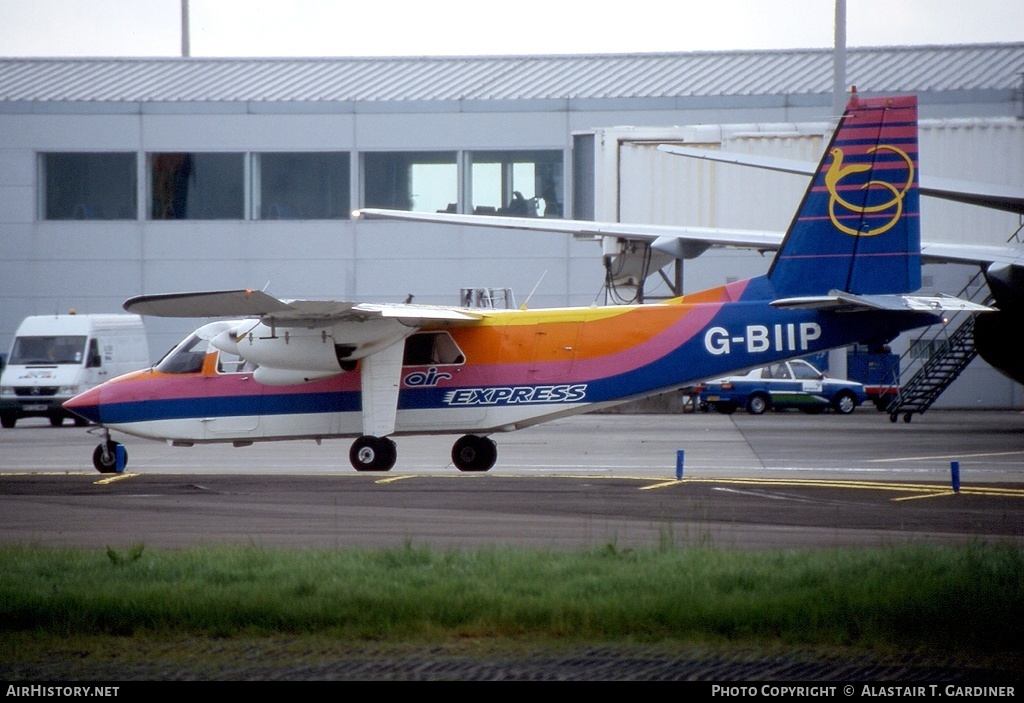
[[315, 369]]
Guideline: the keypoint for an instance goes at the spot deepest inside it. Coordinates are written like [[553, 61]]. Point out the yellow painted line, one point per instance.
[[664, 484], [929, 490], [392, 479], [111, 479], [929, 495], [944, 457]]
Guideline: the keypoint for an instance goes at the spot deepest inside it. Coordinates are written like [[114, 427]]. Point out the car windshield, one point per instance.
[[65, 349]]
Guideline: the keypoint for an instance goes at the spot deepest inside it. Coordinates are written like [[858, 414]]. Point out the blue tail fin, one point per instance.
[[858, 227]]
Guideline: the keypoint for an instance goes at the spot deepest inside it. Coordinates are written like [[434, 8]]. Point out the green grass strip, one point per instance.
[[903, 596]]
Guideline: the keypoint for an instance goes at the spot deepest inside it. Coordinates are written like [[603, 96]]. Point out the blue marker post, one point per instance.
[[120, 459], [679, 463], [954, 467]]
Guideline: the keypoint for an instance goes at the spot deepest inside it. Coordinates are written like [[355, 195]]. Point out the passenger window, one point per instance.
[[805, 371]]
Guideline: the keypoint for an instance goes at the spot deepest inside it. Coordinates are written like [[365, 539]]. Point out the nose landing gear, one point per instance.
[[110, 457]]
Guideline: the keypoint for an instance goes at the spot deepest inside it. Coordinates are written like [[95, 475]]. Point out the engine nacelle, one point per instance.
[[298, 349], [289, 355]]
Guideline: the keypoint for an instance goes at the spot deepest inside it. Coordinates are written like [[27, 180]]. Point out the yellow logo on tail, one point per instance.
[[837, 172]]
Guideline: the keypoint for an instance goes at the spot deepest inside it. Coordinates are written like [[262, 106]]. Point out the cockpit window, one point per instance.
[[187, 357]]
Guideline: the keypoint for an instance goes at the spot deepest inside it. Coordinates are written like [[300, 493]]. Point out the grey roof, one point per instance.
[[414, 79]]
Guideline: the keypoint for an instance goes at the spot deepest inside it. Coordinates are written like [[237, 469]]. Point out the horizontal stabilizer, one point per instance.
[[838, 301]]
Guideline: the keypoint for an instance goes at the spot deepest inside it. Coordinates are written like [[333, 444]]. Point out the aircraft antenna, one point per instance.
[[525, 302]]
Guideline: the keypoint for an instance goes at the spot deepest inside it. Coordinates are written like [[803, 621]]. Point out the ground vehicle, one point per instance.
[[788, 384], [55, 357]]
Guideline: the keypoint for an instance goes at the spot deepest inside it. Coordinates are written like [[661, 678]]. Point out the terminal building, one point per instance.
[[125, 176]]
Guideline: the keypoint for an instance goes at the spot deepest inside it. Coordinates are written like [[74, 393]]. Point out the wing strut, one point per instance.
[[381, 377]]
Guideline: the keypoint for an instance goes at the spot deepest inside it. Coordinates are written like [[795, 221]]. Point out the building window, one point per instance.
[[99, 186], [197, 186], [420, 181], [302, 186], [516, 183]]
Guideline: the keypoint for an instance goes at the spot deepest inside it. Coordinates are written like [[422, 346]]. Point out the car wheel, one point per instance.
[[844, 403], [757, 404]]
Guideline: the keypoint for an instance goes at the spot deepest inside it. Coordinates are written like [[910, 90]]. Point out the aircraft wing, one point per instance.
[[689, 242], [254, 303], [990, 195], [661, 237]]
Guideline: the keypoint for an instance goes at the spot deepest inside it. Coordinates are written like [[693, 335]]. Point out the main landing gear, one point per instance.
[[470, 453]]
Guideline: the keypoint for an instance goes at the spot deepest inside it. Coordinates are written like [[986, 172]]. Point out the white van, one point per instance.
[[56, 357]]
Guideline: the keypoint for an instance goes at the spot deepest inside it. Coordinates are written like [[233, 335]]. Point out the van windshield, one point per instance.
[[48, 350]]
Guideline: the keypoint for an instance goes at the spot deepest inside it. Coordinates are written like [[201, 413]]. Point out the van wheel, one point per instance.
[[56, 420], [8, 421]]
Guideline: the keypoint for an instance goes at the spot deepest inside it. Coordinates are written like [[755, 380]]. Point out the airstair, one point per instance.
[[952, 349]]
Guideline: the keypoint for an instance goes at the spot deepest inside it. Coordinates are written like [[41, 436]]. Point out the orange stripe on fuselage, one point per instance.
[[505, 336]]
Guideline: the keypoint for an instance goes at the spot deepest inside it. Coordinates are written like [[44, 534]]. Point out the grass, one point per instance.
[[901, 597]]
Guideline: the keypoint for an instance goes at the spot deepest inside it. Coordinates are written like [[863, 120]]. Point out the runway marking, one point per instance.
[[930, 495], [392, 479], [111, 479], [945, 457], [930, 491]]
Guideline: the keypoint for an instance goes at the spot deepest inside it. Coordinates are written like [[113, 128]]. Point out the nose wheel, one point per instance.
[[110, 457]]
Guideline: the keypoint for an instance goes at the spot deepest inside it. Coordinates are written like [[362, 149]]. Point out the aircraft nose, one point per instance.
[[86, 405]]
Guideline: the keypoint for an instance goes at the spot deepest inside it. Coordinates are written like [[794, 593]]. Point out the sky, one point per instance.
[[472, 27]]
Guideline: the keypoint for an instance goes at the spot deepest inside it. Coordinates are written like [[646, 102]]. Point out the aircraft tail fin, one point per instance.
[[858, 227]]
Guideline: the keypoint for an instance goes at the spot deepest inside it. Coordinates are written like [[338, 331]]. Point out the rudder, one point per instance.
[[858, 226]]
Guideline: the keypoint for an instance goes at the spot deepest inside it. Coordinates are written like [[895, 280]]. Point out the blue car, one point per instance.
[[788, 384]]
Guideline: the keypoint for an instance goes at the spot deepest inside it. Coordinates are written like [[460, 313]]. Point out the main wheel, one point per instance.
[[474, 453], [757, 404], [369, 453], [844, 403], [104, 457]]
